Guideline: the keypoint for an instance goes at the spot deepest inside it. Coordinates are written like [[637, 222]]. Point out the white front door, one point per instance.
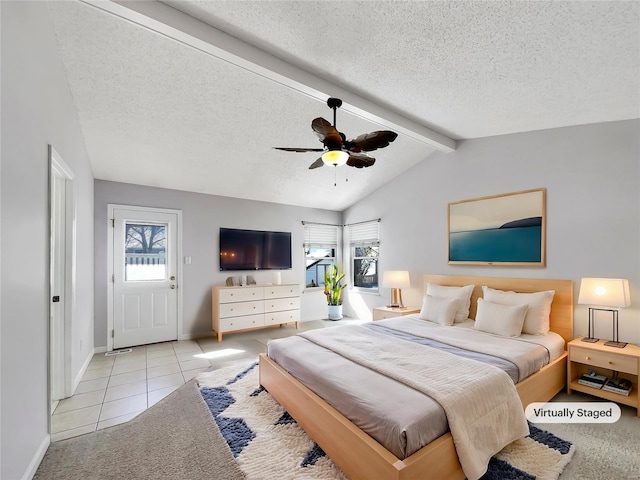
[[145, 270]]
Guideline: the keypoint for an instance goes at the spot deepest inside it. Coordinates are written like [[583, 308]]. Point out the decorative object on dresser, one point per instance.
[[380, 313], [332, 290], [396, 280], [602, 361], [604, 292], [507, 229], [236, 309]]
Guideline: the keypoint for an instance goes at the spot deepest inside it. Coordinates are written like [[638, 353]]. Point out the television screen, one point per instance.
[[254, 250]]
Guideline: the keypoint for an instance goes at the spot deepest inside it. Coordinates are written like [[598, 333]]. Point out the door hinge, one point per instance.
[[113, 277], [113, 222], [112, 333]]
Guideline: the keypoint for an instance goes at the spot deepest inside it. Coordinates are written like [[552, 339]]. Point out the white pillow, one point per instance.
[[537, 320], [460, 293], [505, 320], [439, 310]]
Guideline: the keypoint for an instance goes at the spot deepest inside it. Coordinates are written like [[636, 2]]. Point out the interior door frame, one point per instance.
[[61, 329], [110, 267]]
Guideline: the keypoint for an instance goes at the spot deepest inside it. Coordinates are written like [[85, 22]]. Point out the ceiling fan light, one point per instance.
[[335, 158]]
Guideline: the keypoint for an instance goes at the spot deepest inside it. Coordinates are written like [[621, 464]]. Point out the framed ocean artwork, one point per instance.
[[506, 229]]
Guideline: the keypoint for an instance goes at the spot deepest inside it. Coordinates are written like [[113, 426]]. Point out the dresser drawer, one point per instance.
[[240, 323], [611, 361], [241, 308], [275, 318], [277, 304], [242, 294], [280, 291]]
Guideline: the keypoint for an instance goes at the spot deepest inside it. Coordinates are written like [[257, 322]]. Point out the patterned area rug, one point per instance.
[[267, 442]]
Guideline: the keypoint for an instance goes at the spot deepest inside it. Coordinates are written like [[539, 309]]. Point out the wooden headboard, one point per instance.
[[561, 317]]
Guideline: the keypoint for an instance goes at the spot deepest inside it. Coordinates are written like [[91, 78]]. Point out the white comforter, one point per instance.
[[482, 405]]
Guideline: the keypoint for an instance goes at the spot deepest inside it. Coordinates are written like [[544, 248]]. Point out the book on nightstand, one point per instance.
[[592, 379], [621, 386]]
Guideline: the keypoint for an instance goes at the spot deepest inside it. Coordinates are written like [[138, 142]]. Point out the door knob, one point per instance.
[[172, 277], [173, 287]]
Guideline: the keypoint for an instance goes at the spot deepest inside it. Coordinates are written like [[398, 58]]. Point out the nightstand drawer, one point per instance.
[[608, 360]]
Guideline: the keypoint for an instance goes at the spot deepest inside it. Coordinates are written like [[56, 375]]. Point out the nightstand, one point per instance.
[[380, 313], [605, 360]]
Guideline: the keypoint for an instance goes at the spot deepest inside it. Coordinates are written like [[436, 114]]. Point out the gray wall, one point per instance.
[[202, 216], [37, 110], [592, 177]]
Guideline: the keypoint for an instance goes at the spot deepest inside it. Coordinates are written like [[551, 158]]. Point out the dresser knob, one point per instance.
[[610, 363], [588, 358]]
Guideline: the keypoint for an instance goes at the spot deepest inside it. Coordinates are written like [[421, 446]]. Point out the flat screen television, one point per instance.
[[254, 250]]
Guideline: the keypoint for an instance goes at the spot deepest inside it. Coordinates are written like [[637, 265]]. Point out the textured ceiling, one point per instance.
[[157, 111]]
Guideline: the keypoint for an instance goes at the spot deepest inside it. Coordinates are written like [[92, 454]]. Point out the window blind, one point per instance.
[[320, 235], [365, 233]]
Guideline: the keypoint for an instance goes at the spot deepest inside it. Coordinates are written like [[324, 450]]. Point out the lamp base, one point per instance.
[[589, 339], [616, 344], [396, 298]]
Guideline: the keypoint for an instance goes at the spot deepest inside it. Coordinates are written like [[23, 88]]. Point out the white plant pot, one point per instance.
[[335, 312]]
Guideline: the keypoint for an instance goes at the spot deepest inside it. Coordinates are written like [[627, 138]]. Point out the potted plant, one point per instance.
[[332, 289]]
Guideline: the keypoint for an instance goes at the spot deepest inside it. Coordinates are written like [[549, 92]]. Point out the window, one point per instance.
[[364, 243], [145, 252], [320, 247]]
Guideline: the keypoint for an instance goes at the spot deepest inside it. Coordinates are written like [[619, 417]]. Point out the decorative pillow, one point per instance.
[[505, 320], [537, 320], [439, 310], [460, 293]]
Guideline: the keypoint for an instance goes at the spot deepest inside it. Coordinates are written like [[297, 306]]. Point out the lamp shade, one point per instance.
[[396, 279], [335, 157], [606, 292]]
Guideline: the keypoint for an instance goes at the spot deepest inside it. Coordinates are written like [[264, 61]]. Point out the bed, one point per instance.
[[358, 454]]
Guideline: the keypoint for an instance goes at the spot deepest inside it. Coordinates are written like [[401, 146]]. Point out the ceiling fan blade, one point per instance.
[[318, 163], [327, 133], [291, 149], [371, 141], [360, 160]]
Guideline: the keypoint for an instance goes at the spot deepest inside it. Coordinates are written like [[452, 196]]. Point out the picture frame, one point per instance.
[[502, 230]]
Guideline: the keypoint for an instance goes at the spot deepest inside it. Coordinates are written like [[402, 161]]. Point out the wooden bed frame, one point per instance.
[[358, 455]]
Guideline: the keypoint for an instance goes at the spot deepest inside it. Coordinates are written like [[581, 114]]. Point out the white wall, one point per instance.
[[37, 110], [202, 216], [592, 177]]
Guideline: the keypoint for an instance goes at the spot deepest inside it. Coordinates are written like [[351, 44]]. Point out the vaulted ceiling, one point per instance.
[[192, 95]]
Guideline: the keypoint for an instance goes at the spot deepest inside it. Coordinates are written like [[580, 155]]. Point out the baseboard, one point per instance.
[[84, 367], [81, 373], [195, 336], [37, 458]]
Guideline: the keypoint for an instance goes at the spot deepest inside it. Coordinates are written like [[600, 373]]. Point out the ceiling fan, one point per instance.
[[337, 149]]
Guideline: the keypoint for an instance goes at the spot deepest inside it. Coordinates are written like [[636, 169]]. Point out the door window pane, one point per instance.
[[145, 252]]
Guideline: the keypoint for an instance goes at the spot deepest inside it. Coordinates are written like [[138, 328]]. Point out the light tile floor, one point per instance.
[[115, 389]]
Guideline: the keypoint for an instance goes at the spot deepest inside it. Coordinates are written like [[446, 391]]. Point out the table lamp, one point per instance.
[[604, 292], [396, 280]]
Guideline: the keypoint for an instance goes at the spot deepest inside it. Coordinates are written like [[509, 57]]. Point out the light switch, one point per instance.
[[187, 260]]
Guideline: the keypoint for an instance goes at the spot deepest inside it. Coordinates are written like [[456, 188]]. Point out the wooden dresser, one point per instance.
[[236, 309]]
